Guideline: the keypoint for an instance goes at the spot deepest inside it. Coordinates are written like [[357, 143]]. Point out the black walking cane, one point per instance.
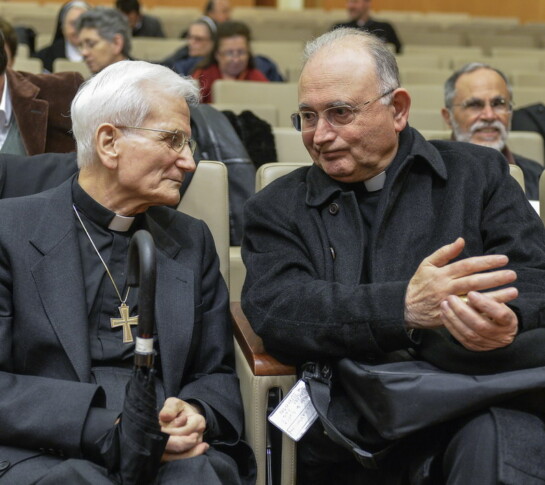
[[134, 448]]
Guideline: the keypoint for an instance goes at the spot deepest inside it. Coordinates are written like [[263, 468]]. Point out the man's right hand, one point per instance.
[[436, 279]]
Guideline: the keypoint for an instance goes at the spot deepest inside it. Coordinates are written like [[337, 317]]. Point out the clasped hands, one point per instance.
[[484, 321], [185, 425]]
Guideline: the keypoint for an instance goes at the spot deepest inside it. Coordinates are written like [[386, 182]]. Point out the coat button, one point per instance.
[[4, 464], [333, 208]]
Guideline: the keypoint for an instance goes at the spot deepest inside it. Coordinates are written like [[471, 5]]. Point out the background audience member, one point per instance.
[[104, 37], [200, 36], [142, 25], [230, 58], [10, 40], [359, 12], [218, 10], [65, 39], [478, 108], [34, 108]]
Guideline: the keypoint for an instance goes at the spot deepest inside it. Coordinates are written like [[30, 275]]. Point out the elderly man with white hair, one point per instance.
[[479, 108], [63, 361]]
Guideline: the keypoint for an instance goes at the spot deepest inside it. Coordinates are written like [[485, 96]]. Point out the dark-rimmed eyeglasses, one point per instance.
[[336, 116], [177, 141]]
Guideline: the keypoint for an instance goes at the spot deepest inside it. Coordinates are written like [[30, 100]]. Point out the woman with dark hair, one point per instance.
[[65, 39], [230, 58]]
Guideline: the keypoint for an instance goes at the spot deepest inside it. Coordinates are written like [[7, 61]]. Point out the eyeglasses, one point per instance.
[[233, 54], [475, 105], [88, 44], [336, 116], [177, 141]]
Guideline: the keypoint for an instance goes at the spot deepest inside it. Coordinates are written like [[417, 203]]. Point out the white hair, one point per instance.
[[120, 94]]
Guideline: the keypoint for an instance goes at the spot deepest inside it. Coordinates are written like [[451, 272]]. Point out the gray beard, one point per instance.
[[460, 135]]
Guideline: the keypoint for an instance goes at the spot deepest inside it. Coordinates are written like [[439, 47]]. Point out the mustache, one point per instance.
[[480, 125]]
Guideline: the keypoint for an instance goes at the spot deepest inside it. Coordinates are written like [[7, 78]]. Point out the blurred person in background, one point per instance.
[[65, 39], [10, 40], [218, 10], [200, 36], [34, 108], [104, 37], [142, 25], [230, 59], [479, 108], [359, 13]]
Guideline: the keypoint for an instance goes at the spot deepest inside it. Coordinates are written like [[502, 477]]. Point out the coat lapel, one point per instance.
[[30, 112], [174, 309], [59, 279]]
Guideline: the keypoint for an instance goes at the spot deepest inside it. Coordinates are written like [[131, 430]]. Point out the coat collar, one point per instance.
[[321, 187]]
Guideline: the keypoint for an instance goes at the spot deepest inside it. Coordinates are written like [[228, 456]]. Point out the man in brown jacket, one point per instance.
[[35, 110]]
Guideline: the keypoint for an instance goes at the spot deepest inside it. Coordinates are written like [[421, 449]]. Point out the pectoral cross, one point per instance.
[[125, 321]]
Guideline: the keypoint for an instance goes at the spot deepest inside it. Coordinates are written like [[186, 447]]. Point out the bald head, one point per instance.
[[330, 44]]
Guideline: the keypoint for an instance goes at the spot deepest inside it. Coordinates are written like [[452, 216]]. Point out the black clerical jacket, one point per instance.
[[45, 389]]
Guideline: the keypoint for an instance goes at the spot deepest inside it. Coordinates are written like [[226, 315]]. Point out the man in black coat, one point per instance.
[[359, 12], [479, 109], [383, 240], [142, 25], [64, 360]]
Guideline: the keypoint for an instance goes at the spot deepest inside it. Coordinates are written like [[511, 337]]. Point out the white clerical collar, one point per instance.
[[375, 183], [121, 223]]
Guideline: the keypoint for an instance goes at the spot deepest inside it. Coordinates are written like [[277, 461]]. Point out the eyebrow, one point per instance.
[[332, 104]]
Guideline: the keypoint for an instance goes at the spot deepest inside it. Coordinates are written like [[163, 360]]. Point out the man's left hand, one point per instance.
[[185, 425], [485, 322]]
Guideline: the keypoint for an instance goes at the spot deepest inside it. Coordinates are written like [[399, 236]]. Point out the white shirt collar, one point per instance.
[[375, 183], [6, 108]]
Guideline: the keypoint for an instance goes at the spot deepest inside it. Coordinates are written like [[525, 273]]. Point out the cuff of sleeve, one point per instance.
[[212, 426], [98, 422], [388, 327]]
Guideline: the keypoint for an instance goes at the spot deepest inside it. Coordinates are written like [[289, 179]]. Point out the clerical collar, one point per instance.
[[98, 213], [375, 183]]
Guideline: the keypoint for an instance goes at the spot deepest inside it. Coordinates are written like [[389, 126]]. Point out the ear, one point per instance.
[[117, 43], [446, 116], [401, 101], [106, 138]]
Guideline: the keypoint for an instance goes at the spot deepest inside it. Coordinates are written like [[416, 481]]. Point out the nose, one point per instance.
[[324, 132], [185, 161], [487, 113]]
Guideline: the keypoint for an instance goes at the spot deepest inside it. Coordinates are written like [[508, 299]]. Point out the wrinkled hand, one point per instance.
[[484, 322], [481, 324], [185, 425]]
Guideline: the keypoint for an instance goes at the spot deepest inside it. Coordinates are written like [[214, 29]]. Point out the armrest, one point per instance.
[[261, 363]]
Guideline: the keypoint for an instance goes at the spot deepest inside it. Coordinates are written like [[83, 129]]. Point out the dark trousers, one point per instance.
[[212, 468], [460, 453]]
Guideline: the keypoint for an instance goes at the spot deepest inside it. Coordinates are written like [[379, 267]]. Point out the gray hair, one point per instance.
[[120, 94], [385, 62], [70, 5], [108, 23], [450, 83]]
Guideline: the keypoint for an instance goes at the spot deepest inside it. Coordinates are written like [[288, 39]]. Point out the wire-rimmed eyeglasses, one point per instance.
[[336, 116], [177, 141], [499, 105]]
